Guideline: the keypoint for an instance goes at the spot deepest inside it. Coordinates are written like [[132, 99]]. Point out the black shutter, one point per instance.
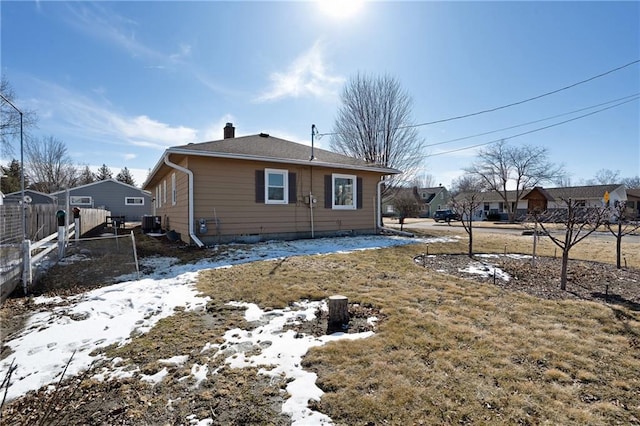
[[359, 193], [327, 192], [260, 186], [292, 189]]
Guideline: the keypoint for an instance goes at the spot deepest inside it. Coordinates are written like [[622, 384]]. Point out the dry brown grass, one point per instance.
[[454, 351]]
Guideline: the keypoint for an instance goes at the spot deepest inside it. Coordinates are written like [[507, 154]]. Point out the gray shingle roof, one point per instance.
[[263, 147]]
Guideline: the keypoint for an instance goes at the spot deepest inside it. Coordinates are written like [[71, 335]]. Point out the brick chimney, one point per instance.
[[229, 131]]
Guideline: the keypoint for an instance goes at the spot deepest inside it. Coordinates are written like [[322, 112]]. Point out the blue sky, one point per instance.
[[119, 82]]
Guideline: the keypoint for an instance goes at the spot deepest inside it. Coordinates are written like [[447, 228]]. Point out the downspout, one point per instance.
[[189, 173]]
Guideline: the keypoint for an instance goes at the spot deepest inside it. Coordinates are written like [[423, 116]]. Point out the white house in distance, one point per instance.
[[492, 206]]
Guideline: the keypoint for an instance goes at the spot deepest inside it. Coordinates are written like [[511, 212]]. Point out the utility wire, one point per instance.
[[508, 105], [531, 122], [534, 130]]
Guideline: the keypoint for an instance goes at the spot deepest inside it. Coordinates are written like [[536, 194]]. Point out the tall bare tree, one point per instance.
[[605, 177], [10, 118], [49, 165], [620, 227], [466, 198], [579, 222], [405, 204], [424, 180], [632, 182], [374, 124], [502, 166]]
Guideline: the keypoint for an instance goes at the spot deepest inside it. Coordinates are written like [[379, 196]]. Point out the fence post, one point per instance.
[[27, 274]]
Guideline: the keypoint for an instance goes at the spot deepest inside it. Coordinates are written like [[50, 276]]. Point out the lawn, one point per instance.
[[446, 350]]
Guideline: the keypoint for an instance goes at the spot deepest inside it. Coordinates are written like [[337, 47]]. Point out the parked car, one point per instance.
[[445, 216]]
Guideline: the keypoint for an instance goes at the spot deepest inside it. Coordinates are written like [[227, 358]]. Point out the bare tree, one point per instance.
[[86, 176], [631, 182], [620, 227], [579, 222], [425, 180], [466, 198], [502, 166], [10, 118], [49, 165], [406, 205], [605, 177], [125, 177], [374, 124]]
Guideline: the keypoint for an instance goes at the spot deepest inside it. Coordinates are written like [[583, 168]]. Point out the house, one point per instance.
[[492, 206], [259, 187], [633, 204], [31, 197], [119, 198], [428, 199]]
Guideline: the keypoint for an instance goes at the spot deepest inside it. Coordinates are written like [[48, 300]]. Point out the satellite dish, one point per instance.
[[27, 199]]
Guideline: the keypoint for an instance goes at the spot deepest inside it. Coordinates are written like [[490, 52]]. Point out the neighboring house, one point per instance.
[[31, 196], [428, 199], [1, 198], [119, 198], [259, 187], [633, 203], [492, 205]]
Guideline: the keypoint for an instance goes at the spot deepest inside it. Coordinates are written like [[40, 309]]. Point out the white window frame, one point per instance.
[[164, 192], [354, 189], [73, 200], [285, 187], [174, 190], [127, 201], [158, 196]]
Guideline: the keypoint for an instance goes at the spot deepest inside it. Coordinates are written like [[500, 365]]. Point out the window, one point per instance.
[[344, 190], [389, 208], [158, 193], [134, 201], [164, 191], [581, 203], [174, 191], [81, 200], [486, 207], [276, 189]]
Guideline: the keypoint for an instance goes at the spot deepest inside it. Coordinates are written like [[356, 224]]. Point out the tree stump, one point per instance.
[[338, 313]]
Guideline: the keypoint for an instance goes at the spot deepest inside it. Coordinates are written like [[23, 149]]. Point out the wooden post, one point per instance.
[[338, 313]]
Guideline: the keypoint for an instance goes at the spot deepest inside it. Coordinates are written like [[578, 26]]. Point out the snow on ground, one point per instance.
[[110, 315]]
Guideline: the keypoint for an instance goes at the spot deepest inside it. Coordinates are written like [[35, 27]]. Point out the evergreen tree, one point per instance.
[[86, 176], [10, 181], [125, 177], [104, 173]]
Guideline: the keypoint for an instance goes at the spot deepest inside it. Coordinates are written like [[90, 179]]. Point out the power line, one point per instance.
[[507, 105], [534, 130], [531, 122]]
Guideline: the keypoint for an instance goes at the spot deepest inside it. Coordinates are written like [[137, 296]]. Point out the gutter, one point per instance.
[[189, 173]]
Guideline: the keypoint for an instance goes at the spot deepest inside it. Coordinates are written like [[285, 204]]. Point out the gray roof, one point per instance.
[[263, 147], [579, 192]]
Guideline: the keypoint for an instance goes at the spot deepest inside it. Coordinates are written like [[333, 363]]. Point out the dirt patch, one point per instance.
[[594, 281]]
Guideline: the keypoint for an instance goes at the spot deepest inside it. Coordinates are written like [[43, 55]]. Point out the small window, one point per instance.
[[276, 190], [389, 208], [344, 191], [581, 203], [134, 201], [81, 200], [164, 191], [174, 193]]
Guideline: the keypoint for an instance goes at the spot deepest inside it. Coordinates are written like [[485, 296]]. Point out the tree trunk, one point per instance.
[[470, 240], [338, 313], [563, 274], [618, 250]]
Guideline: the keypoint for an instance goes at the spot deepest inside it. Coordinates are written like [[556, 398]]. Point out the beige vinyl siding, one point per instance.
[[226, 189], [175, 217]]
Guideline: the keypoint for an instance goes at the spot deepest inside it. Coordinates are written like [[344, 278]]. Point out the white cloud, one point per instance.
[[306, 76], [128, 157], [74, 114], [215, 131]]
